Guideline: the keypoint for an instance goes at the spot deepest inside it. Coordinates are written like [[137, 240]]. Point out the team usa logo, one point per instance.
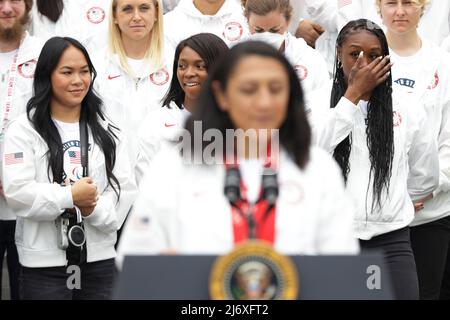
[[406, 82], [397, 119], [27, 69], [435, 82], [95, 15], [302, 72], [160, 77], [233, 31]]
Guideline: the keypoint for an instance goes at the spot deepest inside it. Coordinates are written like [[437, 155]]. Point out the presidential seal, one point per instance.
[[253, 271]]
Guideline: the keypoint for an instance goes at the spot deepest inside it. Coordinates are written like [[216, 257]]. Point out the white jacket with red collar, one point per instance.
[[28, 54], [182, 207]]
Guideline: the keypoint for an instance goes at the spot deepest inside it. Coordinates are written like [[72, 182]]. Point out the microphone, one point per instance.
[[232, 188], [270, 186]]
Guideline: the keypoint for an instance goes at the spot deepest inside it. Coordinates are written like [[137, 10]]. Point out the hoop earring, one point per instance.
[[339, 64]]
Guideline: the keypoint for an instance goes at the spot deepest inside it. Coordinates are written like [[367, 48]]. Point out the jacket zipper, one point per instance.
[[137, 83]]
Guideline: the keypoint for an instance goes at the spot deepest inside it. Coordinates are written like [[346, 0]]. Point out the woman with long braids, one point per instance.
[[67, 179], [387, 157]]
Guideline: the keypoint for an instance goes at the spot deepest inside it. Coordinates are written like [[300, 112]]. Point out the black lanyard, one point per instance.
[[84, 143]]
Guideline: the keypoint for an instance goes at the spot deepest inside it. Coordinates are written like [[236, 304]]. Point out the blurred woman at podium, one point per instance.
[[246, 171]]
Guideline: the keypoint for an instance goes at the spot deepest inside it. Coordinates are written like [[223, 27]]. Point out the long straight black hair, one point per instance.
[[208, 46], [52, 9], [295, 132], [39, 113], [380, 126]]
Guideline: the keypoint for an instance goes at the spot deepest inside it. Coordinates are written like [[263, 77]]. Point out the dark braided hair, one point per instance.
[[380, 127]]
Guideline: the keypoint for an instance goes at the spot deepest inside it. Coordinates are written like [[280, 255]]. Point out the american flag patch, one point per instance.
[[13, 158], [343, 3], [74, 157]]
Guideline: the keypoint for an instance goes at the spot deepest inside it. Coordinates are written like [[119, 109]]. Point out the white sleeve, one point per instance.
[[109, 214], [348, 11], [335, 231], [444, 149], [324, 12], [27, 197], [423, 160], [151, 226], [331, 126], [323, 78]]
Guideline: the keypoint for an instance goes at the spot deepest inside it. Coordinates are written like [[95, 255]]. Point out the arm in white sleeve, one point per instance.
[[324, 12], [151, 226], [348, 11], [109, 214], [40, 201], [444, 150], [423, 160], [331, 126], [335, 230]]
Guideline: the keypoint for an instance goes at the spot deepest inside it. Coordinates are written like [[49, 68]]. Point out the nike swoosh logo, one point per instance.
[[169, 125], [113, 77]]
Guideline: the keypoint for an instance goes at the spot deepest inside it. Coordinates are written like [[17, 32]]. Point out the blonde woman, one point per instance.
[[434, 25], [133, 76], [422, 70]]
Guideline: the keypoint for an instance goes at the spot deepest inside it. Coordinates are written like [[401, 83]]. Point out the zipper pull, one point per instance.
[[136, 83]]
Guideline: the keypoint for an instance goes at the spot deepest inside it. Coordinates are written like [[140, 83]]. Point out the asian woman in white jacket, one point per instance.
[[182, 206], [64, 168]]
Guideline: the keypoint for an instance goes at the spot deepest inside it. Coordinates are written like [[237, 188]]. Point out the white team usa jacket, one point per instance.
[[84, 20], [310, 67], [29, 51], [415, 167], [184, 209], [129, 100], [185, 20], [38, 202]]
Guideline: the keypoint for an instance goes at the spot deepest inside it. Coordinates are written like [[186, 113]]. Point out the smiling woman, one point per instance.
[[194, 57], [67, 179], [71, 80]]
